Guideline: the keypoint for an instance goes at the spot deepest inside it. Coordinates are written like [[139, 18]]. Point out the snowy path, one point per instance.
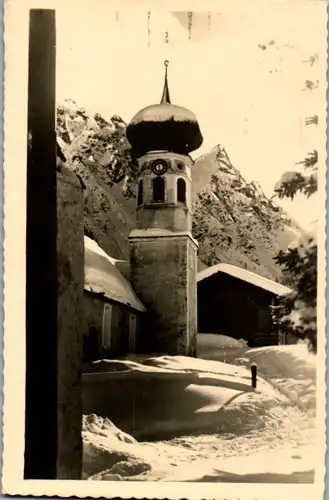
[[282, 453], [284, 446]]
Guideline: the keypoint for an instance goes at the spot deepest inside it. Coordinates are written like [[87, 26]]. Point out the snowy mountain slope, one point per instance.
[[234, 222]]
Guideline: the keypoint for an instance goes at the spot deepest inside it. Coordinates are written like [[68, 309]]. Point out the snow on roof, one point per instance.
[[215, 340], [163, 112], [103, 277], [243, 274]]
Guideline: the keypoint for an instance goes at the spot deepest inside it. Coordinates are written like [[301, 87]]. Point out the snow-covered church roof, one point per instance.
[[248, 276], [102, 276]]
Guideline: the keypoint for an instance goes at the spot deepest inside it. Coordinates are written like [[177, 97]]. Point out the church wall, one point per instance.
[[192, 290], [159, 276], [70, 268], [173, 218], [170, 186], [120, 315]]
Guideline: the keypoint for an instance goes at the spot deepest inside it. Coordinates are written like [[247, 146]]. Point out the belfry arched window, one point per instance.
[[181, 190], [140, 193], [158, 189]]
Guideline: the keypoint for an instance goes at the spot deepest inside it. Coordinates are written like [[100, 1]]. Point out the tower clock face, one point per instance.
[[159, 167]]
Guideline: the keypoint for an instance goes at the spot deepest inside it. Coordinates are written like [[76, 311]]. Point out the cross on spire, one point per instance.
[[165, 94]]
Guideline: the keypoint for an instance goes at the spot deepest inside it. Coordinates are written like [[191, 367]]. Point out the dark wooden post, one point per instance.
[[41, 265], [254, 375]]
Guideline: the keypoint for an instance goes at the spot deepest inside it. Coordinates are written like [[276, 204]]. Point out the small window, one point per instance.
[[140, 193], [132, 332], [181, 190], [158, 189], [106, 330]]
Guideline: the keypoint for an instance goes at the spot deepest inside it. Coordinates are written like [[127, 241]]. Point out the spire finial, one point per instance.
[[165, 94]]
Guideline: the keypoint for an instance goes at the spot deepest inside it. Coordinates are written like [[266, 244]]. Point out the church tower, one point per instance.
[[163, 251]]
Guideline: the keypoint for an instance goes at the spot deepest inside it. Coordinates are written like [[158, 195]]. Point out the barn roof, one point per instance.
[[103, 277], [244, 275]]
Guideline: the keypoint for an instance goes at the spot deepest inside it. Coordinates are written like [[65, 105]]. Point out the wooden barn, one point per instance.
[[236, 302], [112, 310]]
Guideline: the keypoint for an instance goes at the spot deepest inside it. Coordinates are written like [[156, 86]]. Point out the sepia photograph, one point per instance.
[[164, 276]]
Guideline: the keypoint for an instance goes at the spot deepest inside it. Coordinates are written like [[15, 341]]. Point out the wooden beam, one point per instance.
[[41, 269]]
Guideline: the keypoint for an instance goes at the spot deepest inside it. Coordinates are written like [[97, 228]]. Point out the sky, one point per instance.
[[251, 101]]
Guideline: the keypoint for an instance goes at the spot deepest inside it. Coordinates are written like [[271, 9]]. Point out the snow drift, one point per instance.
[[220, 347], [290, 368], [168, 396], [250, 436]]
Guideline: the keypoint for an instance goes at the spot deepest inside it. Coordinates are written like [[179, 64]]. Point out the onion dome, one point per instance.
[[164, 127]]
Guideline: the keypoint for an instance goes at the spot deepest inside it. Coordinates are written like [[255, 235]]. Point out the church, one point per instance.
[[152, 303]]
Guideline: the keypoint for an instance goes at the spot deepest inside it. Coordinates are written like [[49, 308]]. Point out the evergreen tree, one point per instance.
[[296, 313]]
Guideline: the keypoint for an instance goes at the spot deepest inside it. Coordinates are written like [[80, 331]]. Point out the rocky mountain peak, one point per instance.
[[234, 221]]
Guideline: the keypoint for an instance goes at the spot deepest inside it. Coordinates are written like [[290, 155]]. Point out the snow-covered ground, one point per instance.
[[235, 434], [291, 368]]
